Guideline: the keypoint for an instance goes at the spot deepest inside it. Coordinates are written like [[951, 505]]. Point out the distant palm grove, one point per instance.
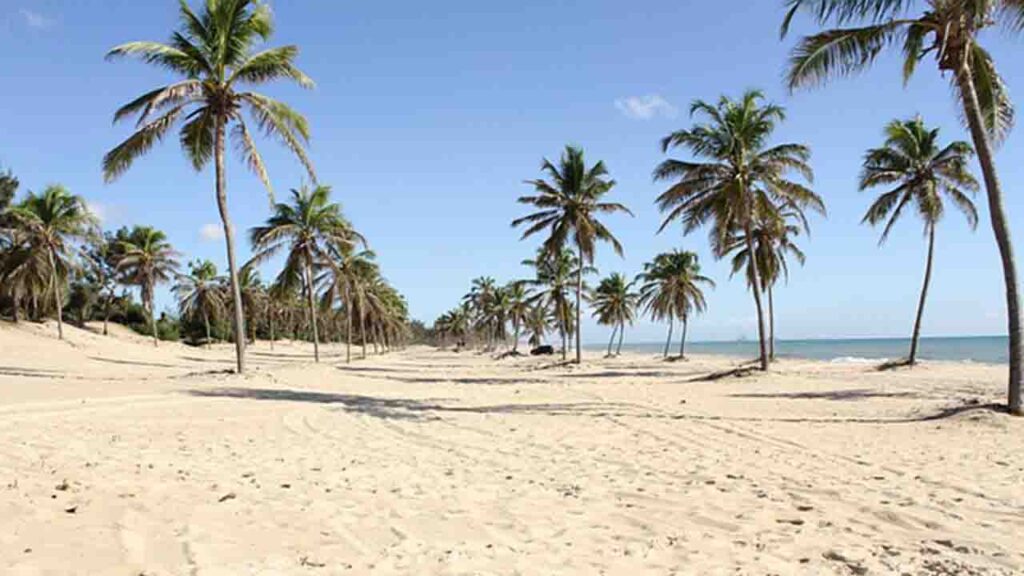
[[724, 173]]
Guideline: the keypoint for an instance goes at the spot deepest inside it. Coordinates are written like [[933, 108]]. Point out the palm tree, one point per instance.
[[553, 274], [743, 180], [670, 288], [569, 204], [774, 241], [480, 299], [347, 274], [518, 309], [537, 323], [254, 296], [148, 260], [922, 172], [50, 221], [200, 292], [614, 305], [948, 30], [306, 229], [214, 53]]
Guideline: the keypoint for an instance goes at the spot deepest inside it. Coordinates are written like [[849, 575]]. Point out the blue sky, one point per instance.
[[427, 117]]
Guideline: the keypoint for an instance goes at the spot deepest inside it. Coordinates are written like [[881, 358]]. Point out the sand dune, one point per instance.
[[118, 458]]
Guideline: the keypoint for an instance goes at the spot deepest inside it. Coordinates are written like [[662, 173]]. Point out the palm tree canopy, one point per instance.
[[774, 241], [200, 291], [307, 229], [670, 285], [148, 259], [569, 203], [613, 300], [944, 29], [215, 52], [921, 173], [743, 179]]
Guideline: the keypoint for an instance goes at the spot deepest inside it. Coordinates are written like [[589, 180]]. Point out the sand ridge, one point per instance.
[[118, 458]]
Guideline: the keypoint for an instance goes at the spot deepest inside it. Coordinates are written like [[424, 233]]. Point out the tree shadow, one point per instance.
[[941, 414], [624, 374], [135, 362], [836, 395], [398, 408], [895, 365], [31, 372]]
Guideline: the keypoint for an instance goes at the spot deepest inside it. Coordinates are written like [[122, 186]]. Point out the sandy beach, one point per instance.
[[118, 458]]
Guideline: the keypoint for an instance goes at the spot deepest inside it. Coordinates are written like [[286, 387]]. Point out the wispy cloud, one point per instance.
[[35, 19], [646, 107], [211, 233]]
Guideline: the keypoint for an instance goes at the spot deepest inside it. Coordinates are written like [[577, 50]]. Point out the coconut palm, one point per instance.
[[921, 173], [774, 242], [742, 181], [306, 229], [614, 305], [254, 296], [518, 309], [553, 275], [569, 204], [148, 260], [346, 279], [671, 287], [214, 53], [50, 222], [200, 293], [537, 323], [481, 300], [948, 31]]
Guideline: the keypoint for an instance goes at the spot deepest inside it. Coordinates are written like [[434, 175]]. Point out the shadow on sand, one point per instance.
[[835, 395]]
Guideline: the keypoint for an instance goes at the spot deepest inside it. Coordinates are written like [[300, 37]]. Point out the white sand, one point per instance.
[[120, 459]]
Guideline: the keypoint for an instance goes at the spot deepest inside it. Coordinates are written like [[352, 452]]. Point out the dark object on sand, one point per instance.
[[545, 350]]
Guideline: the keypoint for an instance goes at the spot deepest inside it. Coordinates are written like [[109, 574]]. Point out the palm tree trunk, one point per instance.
[[348, 328], [1001, 228], [611, 341], [515, 339], [206, 321], [270, 319], [682, 341], [579, 302], [771, 323], [56, 294], [562, 330], [312, 307], [362, 331], [150, 305], [668, 342], [755, 288], [229, 240], [622, 331], [106, 314], [912, 359]]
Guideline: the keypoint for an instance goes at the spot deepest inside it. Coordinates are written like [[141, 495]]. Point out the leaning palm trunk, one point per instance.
[[229, 240], [997, 213], [206, 321], [912, 359], [362, 331], [682, 340], [579, 301], [771, 323], [152, 315], [668, 342], [54, 281], [611, 341], [312, 307], [622, 330], [755, 288]]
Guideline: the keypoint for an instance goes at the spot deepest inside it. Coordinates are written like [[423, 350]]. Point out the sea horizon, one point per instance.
[[982, 349]]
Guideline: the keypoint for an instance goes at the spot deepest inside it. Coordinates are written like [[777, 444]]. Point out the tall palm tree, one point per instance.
[[254, 297], [671, 288], [921, 172], [614, 305], [50, 221], [553, 274], [948, 31], [774, 242], [742, 181], [215, 54], [481, 298], [305, 229], [568, 206], [537, 323], [199, 293], [148, 260], [346, 278], [518, 309]]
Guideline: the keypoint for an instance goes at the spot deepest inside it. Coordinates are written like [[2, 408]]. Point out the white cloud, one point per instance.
[[35, 19], [211, 233], [646, 107]]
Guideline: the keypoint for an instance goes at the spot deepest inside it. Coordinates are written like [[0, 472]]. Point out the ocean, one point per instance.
[[984, 349]]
